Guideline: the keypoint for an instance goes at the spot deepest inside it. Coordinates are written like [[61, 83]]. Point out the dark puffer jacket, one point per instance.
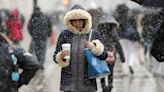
[[39, 25], [26, 62], [74, 77]]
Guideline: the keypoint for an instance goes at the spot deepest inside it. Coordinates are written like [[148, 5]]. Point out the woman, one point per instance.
[[14, 26], [74, 73]]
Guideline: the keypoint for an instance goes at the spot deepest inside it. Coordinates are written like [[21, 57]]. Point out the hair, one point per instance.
[[79, 19]]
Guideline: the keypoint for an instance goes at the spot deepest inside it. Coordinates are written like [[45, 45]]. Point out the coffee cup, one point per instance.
[[66, 46]]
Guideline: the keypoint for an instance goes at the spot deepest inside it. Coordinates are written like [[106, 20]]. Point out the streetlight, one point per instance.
[[66, 2]]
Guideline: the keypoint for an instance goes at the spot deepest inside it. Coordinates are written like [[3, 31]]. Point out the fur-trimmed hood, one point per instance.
[[78, 13]]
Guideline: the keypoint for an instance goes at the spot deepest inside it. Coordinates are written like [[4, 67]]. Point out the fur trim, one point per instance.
[[59, 60], [78, 14], [99, 48]]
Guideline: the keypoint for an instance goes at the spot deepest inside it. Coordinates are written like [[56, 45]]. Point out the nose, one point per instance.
[[77, 22]]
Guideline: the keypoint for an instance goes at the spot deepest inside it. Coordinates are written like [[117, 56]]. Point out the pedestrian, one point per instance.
[[14, 26], [108, 28], [40, 29], [11, 60], [74, 72], [4, 14], [136, 67], [157, 48]]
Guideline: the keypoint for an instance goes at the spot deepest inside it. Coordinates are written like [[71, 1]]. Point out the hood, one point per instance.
[[14, 13], [78, 12], [96, 15], [108, 21]]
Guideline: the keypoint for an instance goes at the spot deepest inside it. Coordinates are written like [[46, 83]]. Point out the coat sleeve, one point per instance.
[[60, 41], [28, 64], [30, 26]]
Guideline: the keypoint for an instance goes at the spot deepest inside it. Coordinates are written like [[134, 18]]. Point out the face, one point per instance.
[[78, 23]]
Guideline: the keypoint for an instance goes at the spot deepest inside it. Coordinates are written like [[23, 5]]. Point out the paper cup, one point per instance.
[[66, 46]]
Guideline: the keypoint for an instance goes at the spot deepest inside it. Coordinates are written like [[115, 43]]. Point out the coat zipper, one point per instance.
[[77, 66]]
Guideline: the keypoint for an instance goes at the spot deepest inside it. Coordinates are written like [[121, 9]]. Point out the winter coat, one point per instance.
[[39, 26], [108, 29], [157, 49], [26, 62], [74, 76], [14, 26], [127, 28], [153, 35]]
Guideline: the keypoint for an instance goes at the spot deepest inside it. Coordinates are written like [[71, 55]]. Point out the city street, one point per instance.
[[49, 80], [145, 74]]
